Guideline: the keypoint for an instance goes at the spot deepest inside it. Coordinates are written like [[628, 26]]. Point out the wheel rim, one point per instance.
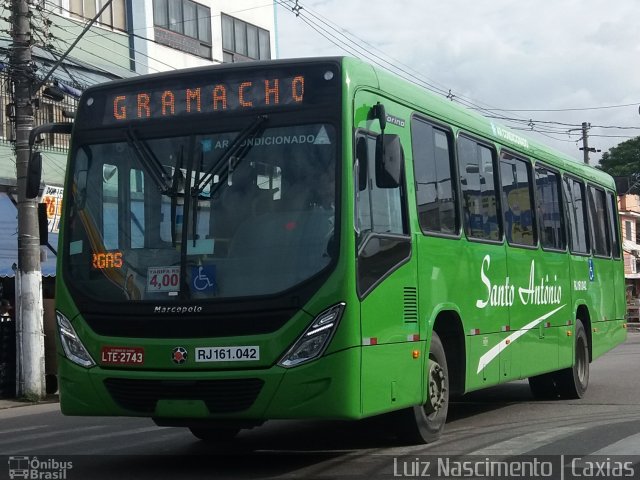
[[437, 388]]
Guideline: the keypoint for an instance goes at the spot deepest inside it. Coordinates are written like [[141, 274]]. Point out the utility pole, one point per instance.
[[29, 308], [585, 143]]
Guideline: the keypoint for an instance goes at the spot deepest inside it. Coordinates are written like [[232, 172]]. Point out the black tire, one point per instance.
[[572, 382], [214, 434], [543, 387], [424, 423]]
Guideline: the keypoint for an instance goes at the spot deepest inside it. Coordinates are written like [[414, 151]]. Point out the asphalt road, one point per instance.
[[502, 422]]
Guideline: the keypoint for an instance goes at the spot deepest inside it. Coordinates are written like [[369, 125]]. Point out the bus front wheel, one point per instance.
[[424, 423]]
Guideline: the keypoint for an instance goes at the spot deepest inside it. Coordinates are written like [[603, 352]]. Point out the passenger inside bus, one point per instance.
[[235, 203]]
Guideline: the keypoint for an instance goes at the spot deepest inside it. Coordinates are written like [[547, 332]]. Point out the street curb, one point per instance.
[[15, 403]]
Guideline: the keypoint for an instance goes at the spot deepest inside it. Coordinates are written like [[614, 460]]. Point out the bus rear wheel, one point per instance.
[[214, 434], [569, 383], [424, 423], [543, 387], [572, 382]]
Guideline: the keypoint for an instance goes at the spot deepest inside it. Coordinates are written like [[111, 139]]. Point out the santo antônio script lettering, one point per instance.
[[539, 291]]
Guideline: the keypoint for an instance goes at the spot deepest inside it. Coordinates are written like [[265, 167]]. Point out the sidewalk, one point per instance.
[[12, 402], [633, 326]]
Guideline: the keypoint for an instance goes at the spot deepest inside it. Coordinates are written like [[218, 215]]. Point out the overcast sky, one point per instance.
[[507, 54]]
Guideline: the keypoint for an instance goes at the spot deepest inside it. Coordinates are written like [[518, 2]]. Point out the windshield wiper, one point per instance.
[[218, 167], [175, 186], [150, 163], [194, 219]]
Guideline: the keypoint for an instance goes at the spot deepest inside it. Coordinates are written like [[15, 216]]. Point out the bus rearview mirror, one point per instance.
[[34, 173], [43, 223], [389, 161]]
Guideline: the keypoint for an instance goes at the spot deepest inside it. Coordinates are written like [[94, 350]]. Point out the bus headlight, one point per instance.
[[71, 344], [315, 338]]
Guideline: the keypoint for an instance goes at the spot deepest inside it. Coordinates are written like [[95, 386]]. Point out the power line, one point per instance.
[[416, 77], [318, 24], [613, 136], [121, 55], [107, 37], [567, 109], [141, 37]]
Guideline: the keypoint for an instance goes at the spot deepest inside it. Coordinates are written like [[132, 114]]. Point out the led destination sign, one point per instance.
[[246, 94], [216, 92]]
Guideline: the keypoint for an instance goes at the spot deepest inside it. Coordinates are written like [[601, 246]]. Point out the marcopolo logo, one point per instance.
[[38, 469], [177, 309]]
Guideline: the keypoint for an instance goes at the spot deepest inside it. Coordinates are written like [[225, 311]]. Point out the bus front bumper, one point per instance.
[[328, 387]]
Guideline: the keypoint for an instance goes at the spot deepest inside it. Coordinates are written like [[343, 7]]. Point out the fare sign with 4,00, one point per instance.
[[163, 279]]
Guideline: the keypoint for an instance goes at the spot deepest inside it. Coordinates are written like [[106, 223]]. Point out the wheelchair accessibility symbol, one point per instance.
[[203, 279]]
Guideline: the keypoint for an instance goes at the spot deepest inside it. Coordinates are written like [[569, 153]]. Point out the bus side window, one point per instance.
[[576, 215], [381, 222], [476, 164], [598, 222], [379, 210], [614, 229], [551, 221], [432, 165], [517, 200]]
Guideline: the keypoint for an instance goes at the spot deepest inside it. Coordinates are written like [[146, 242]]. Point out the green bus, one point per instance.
[[319, 239]]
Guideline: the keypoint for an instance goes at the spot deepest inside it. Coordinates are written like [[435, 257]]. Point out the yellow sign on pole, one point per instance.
[[52, 196]]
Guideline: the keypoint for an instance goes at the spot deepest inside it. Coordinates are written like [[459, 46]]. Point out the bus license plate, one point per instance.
[[122, 355], [228, 354]]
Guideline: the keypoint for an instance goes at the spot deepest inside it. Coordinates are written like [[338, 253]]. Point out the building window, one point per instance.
[[627, 230], [114, 15], [242, 41], [183, 25]]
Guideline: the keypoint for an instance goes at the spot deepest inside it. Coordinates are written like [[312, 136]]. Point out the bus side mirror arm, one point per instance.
[[378, 111], [34, 170]]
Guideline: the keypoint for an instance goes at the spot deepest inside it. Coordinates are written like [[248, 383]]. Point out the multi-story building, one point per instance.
[[131, 37], [629, 206]]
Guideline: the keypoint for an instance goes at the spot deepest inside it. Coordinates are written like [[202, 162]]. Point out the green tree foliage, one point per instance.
[[623, 159], [623, 162]]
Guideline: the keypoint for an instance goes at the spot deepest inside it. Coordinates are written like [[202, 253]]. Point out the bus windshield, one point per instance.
[[202, 216]]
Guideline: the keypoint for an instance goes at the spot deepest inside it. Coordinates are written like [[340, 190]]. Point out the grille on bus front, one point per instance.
[[220, 396]]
